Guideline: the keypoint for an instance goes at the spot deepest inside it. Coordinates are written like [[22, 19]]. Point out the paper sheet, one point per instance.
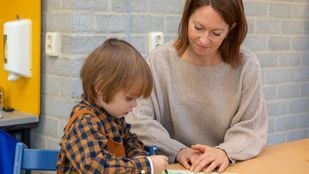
[[190, 172]]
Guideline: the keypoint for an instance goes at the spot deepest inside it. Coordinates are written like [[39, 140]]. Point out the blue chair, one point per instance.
[[7, 152], [43, 159], [34, 159]]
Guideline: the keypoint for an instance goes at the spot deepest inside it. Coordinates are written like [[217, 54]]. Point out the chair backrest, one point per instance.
[[7, 152], [34, 159]]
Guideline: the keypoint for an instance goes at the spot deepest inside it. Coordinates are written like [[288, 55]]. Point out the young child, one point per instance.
[[97, 139]]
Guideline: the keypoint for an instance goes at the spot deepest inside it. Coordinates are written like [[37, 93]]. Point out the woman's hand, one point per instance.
[[210, 159], [186, 156]]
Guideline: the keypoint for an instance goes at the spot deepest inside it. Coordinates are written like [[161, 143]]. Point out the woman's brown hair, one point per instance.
[[232, 11], [113, 66]]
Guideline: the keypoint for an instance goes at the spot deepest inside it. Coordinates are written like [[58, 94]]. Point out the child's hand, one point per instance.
[[159, 163]]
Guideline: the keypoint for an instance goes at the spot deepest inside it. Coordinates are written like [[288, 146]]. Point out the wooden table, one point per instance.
[[287, 158]]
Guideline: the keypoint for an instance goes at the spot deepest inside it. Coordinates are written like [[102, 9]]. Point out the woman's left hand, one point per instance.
[[211, 159]]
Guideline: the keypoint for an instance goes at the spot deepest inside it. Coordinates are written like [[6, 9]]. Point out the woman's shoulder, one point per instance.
[[249, 57], [163, 52]]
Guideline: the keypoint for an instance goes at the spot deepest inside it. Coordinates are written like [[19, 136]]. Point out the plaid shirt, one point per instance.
[[83, 148]]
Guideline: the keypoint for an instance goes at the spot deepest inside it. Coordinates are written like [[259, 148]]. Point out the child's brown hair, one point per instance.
[[113, 66]]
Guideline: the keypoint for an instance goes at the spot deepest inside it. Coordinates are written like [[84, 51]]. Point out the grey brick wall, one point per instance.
[[278, 34]]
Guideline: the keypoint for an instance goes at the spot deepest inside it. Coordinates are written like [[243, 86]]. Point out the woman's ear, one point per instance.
[[233, 26]]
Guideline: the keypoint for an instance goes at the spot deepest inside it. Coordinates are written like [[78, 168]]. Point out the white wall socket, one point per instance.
[[52, 44], [154, 40]]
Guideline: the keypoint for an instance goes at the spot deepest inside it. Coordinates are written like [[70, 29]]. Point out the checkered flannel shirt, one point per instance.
[[83, 147]]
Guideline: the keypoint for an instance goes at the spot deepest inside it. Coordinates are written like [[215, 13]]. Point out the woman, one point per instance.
[[208, 92]]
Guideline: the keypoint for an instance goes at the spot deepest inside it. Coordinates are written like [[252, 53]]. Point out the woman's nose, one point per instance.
[[204, 39]]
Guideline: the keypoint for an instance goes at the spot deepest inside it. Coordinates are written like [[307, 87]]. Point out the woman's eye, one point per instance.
[[198, 28], [217, 34]]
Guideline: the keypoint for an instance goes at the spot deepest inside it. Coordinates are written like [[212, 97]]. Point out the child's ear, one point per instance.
[[97, 90]]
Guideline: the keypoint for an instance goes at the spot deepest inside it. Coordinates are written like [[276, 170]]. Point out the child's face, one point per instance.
[[121, 104]]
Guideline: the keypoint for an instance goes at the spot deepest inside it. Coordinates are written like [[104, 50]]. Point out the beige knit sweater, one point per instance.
[[213, 105]]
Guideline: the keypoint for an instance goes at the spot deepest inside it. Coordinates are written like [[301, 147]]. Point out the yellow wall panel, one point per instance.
[[24, 94]]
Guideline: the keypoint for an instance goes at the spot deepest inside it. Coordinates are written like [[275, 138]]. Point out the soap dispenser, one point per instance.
[[17, 48]]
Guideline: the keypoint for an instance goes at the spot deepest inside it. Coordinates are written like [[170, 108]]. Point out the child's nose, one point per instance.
[[134, 104]]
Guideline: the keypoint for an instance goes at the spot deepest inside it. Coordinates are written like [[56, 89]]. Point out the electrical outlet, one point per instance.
[[52, 44], [155, 39]]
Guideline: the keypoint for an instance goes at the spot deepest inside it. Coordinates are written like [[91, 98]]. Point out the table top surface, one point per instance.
[[16, 118], [286, 158]]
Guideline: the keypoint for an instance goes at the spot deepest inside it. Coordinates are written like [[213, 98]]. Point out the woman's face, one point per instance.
[[206, 31]]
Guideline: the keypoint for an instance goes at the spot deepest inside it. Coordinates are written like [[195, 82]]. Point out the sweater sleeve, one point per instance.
[[151, 131], [248, 130]]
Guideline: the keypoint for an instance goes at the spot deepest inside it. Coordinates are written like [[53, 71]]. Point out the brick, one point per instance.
[[277, 76], [139, 43], [63, 67], [277, 138], [81, 44], [164, 6], [280, 10], [267, 26], [297, 135], [120, 5], [140, 6], [299, 105], [51, 5], [300, 74], [101, 5], [306, 27], [287, 59], [300, 43], [76, 22], [172, 23], [270, 92], [57, 106], [304, 90], [301, 10], [271, 125], [78, 4], [285, 123], [256, 9], [288, 91], [305, 58], [279, 43], [277, 108], [144, 24], [268, 59], [292, 27], [256, 43], [106, 23], [303, 121], [251, 26]]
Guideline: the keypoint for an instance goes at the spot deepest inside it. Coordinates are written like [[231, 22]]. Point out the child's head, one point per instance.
[[113, 67]]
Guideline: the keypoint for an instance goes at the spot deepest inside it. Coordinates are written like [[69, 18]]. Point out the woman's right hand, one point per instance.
[[187, 156], [159, 163]]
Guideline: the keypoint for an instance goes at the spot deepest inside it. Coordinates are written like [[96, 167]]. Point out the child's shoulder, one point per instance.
[[84, 113]]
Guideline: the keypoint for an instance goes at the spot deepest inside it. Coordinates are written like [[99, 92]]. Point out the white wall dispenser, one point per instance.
[[17, 48]]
